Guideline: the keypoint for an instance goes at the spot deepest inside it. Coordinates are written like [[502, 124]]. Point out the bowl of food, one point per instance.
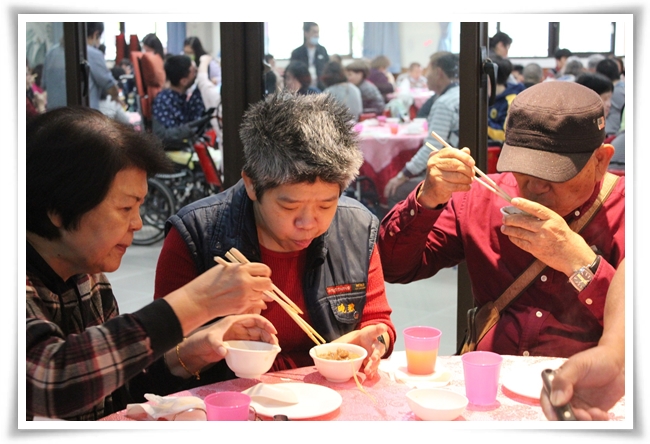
[[338, 362], [250, 359], [435, 404]]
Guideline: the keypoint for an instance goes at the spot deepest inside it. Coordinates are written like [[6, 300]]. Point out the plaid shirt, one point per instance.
[[80, 354]]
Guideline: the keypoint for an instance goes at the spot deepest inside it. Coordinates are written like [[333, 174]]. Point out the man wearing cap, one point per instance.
[[554, 164]]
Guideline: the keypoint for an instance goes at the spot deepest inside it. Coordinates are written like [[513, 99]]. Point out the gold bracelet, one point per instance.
[[180, 361]]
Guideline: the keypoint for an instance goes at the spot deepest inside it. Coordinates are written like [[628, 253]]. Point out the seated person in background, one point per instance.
[[287, 211], [443, 118], [413, 76], [112, 109], [193, 48], [380, 76], [518, 73], [593, 61], [618, 160], [298, 79], [371, 97], [593, 381], [273, 80], [337, 84], [86, 179], [533, 74], [571, 70], [499, 45], [175, 115], [610, 69], [505, 94], [601, 85], [152, 44], [555, 170], [561, 56]]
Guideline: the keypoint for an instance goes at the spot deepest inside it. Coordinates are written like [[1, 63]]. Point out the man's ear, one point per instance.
[[604, 154], [250, 188], [55, 218]]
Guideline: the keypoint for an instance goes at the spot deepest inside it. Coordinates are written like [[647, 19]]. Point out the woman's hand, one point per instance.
[[205, 346], [367, 338]]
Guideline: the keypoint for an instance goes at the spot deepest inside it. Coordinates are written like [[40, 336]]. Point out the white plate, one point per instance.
[[313, 400], [526, 380], [439, 378]]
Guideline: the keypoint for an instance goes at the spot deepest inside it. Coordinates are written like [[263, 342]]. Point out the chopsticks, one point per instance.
[[489, 183], [236, 257]]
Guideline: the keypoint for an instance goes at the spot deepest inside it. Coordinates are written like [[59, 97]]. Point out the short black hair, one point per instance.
[[73, 155], [92, 27], [500, 37], [609, 68], [177, 67], [562, 52], [300, 71], [596, 81], [306, 26]]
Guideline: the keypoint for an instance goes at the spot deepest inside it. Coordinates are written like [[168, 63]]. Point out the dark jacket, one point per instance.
[[320, 60], [337, 261]]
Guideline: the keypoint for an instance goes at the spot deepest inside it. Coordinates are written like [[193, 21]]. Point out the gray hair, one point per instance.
[[290, 138], [593, 60], [533, 73], [573, 67]]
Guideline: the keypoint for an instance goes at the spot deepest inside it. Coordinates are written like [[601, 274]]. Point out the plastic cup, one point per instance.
[[421, 344], [394, 127], [481, 370], [227, 406]]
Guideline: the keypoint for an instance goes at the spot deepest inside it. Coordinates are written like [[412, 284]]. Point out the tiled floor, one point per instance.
[[427, 302]]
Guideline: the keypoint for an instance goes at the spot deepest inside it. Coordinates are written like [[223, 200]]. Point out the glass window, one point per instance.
[[342, 38]]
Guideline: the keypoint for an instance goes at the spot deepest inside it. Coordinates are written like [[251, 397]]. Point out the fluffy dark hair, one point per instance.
[[596, 81], [177, 67], [73, 155], [290, 138]]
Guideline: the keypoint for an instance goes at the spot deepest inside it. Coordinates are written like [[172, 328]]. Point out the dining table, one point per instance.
[[383, 397], [384, 153], [419, 95]]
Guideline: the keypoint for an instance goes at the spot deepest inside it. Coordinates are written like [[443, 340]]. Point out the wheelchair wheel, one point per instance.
[[158, 206]]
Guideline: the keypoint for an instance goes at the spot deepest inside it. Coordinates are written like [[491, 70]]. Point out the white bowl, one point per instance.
[[337, 370], [250, 359], [434, 404]]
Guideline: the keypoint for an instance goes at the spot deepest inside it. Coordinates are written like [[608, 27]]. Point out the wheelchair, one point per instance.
[[197, 175]]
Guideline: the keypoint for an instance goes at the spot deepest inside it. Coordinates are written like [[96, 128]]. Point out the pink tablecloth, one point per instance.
[[386, 154], [419, 96], [389, 402]]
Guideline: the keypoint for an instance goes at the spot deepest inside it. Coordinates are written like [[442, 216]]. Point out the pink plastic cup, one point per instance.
[[481, 369], [227, 406], [421, 344], [394, 128]]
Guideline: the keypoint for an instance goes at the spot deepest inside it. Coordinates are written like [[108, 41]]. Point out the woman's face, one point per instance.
[[291, 82], [354, 77], [291, 216], [189, 51], [106, 231]]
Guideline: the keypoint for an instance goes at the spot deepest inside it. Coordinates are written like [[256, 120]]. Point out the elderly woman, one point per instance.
[[287, 212], [298, 79], [86, 179], [337, 84]]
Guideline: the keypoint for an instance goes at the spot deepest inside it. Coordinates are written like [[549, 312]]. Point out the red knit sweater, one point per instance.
[[175, 268]]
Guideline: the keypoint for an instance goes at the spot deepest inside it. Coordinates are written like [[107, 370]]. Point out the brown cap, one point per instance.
[[552, 130]]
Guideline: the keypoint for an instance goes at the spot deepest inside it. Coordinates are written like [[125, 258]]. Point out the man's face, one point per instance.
[[432, 77], [565, 197], [191, 76], [313, 32]]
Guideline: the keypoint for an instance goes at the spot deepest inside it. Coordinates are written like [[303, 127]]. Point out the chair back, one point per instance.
[[210, 170], [149, 73]]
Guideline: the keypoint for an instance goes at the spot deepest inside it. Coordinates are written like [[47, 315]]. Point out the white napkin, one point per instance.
[[167, 408]]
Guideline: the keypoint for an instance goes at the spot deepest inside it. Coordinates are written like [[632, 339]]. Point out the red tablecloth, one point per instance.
[[389, 402], [386, 154]]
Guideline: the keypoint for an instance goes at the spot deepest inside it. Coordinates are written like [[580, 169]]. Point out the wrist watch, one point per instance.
[[581, 277]]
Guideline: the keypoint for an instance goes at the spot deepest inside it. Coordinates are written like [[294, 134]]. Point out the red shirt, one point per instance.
[[175, 268], [551, 318]]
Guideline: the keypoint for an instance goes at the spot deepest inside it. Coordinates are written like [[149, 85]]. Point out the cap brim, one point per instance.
[[544, 165]]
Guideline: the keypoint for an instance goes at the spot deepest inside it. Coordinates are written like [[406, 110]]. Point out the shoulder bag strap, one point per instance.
[[526, 278]]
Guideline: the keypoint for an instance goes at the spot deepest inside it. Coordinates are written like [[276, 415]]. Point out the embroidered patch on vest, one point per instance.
[[601, 123], [345, 288]]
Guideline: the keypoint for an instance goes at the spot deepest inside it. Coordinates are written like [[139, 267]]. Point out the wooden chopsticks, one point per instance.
[[236, 257], [488, 183]]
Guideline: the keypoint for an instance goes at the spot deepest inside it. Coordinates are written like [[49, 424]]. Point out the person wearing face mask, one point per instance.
[[100, 79], [193, 48], [312, 54]]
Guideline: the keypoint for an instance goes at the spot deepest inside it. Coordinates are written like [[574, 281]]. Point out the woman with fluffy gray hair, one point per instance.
[[288, 212]]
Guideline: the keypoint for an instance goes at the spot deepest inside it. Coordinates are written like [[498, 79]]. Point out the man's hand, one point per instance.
[[448, 171], [393, 184], [592, 381], [547, 237]]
